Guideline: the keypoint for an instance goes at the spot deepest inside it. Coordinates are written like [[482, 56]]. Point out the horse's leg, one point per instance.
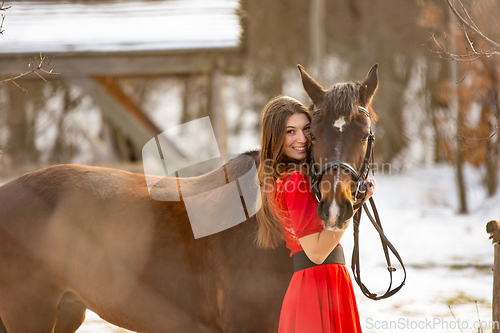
[[2, 327], [29, 294], [70, 314], [30, 314], [235, 319]]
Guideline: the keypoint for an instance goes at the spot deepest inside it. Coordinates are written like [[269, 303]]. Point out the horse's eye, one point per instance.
[[312, 137]]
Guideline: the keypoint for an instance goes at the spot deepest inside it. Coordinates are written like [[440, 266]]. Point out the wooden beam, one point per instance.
[[113, 110], [128, 64], [110, 85], [216, 109], [123, 115]]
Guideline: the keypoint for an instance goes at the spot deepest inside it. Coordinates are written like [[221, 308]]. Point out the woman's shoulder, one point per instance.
[[294, 176]]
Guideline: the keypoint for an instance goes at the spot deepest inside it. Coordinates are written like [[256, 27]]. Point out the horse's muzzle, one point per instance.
[[334, 215]]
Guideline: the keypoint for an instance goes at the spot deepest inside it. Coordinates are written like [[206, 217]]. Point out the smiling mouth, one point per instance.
[[300, 149]]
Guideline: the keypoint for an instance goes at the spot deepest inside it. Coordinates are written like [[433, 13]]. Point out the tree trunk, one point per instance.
[[492, 149], [460, 179], [317, 37], [21, 143], [459, 123]]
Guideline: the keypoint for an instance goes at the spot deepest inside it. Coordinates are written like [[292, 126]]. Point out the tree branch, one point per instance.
[[467, 13], [480, 141], [37, 67], [492, 43], [2, 8], [472, 54]]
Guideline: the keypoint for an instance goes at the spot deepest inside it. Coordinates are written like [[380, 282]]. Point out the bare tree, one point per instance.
[[475, 49], [489, 48]]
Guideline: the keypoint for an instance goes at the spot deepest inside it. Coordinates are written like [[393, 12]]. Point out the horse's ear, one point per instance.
[[312, 88], [370, 85]]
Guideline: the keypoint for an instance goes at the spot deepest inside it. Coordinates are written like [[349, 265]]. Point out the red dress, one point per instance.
[[319, 299]]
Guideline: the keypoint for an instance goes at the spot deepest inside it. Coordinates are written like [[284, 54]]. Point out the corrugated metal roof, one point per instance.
[[121, 26]]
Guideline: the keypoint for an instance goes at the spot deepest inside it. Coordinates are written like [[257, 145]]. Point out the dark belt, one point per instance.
[[301, 261]]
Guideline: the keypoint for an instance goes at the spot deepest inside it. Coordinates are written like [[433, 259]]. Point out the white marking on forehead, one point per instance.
[[339, 123]]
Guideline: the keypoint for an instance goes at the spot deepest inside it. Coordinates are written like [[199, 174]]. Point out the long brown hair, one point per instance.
[[272, 163]]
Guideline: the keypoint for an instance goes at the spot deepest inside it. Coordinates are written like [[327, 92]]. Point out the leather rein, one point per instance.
[[360, 193]]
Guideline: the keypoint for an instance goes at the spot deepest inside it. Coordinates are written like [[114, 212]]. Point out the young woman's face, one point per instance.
[[295, 144]]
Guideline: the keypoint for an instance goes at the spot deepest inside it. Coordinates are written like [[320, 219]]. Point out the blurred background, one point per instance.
[[129, 70]]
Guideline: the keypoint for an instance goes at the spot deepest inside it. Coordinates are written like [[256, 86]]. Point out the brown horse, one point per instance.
[[341, 143], [74, 237]]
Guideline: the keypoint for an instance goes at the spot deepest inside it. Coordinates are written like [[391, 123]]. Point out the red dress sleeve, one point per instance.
[[301, 205]]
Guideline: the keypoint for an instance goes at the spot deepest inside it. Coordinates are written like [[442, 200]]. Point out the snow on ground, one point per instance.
[[448, 257]]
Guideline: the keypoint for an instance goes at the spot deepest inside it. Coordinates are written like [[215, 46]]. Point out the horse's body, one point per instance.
[[73, 237]]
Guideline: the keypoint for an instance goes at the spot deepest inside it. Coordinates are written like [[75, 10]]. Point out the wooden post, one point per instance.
[[493, 228], [216, 109]]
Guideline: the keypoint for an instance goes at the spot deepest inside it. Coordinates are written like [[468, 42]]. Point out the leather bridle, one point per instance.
[[360, 192], [359, 177]]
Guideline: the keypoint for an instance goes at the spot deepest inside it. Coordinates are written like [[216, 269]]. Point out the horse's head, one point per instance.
[[340, 134]]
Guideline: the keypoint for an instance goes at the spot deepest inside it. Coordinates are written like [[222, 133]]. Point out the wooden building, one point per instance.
[[94, 43]]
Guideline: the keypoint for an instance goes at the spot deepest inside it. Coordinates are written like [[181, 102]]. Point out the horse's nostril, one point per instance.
[[345, 213], [322, 210], [347, 204]]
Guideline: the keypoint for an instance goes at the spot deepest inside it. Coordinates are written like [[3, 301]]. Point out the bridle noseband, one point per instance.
[[359, 192], [359, 177]]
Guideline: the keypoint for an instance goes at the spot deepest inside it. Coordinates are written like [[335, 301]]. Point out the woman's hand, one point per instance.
[[369, 192]]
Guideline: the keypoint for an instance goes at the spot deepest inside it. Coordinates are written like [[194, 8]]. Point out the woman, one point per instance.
[[320, 298]]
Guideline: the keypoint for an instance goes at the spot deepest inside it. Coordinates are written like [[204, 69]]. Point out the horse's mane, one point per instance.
[[342, 99], [253, 153]]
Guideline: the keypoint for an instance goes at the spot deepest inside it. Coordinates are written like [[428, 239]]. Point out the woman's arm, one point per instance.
[[318, 246]]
